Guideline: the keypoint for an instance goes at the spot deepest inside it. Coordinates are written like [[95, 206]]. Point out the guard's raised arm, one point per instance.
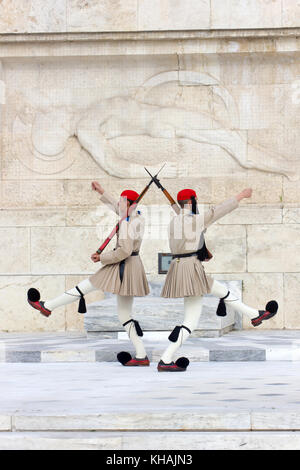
[[106, 197], [220, 210]]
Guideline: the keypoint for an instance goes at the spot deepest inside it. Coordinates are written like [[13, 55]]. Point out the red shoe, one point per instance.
[[126, 360], [179, 366], [33, 298], [271, 310], [138, 362]]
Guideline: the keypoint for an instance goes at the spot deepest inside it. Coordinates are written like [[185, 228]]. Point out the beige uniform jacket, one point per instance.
[[128, 239], [186, 276]]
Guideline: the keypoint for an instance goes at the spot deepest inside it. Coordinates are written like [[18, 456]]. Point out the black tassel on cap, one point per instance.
[[221, 310], [194, 205], [82, 305]]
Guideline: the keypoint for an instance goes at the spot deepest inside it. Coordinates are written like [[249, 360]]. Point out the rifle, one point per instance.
[[166, 193], [203, 254], [129, 212]]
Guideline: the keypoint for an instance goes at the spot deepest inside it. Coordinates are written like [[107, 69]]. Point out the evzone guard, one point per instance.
[[122, 273], [186, 276]]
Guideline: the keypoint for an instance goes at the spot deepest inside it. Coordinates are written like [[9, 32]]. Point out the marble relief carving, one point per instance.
[[160, 108]]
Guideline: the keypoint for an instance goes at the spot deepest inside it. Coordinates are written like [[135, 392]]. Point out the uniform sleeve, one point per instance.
[[109, 201], [124, 249], [216, 212]]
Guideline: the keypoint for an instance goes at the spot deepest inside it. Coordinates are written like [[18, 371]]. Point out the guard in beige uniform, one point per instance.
[[122, 274], [187, 278], [133, 281]]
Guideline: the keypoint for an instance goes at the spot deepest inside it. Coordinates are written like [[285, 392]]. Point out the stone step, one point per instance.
[[163, 420], [248, 345], [118, 441]]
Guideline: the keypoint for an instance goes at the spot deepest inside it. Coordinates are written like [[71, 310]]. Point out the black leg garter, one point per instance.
[[221, 310], [137, 327], [82, 304], [175, 333]]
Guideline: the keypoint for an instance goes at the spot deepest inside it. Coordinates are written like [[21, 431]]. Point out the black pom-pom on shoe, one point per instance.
[[182, 362], [272, 306], [124, 357], [33, 295]]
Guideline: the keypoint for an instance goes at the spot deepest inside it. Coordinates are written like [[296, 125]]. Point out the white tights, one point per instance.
[[124, 304], [192, 312], [70, 296]]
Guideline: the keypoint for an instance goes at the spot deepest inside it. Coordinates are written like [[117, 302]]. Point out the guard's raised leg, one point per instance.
[[227, 298], [77, 293]]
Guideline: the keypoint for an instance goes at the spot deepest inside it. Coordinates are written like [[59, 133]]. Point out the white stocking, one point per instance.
[[125, 314], [70, 296], [220, 290], [192, 312]]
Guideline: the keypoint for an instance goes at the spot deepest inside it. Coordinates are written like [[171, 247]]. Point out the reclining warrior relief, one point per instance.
[[98, 127]]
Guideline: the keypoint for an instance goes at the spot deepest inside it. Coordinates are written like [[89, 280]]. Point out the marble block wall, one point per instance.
[[96, 90], [47, 16]]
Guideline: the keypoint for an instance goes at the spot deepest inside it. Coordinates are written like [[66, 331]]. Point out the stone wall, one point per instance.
[[50, 16], [90, 95]]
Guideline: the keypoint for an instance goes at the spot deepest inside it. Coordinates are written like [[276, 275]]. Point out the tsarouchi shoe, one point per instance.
[[127, 360], [33, 298], [269, 312], [179, 366]]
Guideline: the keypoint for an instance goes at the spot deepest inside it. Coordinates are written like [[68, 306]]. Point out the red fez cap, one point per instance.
[[185, 194], [131, 195]]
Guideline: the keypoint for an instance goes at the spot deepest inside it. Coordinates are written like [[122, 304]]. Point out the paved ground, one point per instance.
[[95, 388], [94, 404]]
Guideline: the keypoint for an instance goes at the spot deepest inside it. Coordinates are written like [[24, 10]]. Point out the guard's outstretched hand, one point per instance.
[[244, 194], [97, 187], [95, 257]]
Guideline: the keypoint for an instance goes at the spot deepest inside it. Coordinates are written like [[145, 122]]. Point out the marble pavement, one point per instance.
[[105, 406], [67, 391]]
